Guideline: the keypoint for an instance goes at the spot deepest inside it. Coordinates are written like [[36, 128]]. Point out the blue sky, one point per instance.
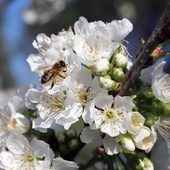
[[13, 31]]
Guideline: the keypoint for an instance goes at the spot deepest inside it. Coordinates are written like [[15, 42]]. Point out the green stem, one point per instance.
[[117, 163], [150, 107], [110, 163], [121, 161]]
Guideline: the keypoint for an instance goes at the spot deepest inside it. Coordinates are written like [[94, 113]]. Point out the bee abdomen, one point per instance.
[[46, 77]]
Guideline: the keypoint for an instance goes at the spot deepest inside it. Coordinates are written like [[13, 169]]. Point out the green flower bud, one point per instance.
[[71, 133], [148, 93], [73, 144], [118, 74], [146, 164], [166, 108], [127, 143], [150, 119], [61, 138]]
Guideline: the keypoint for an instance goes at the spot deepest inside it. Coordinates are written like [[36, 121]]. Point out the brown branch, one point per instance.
[[160, 34]]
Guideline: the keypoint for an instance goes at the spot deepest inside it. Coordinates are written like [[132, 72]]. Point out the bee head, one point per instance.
[[62, 63]]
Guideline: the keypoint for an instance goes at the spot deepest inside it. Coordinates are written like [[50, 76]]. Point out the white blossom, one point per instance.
[[21, 154], [92, 41], [11, 122], [163, 127], [43, 63], [111, 116], [53, 107], [43, 43], [161, 83], [83, 92], [137, 122], [145, 139]]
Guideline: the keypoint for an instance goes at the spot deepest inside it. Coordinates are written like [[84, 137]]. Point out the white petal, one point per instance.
[[145, 132], [124, 101], [17, 144], [61, 164], [35, 61], [40, 148], [34, 95], [111, 146], [146, 76], [88, 135], [119, 29]]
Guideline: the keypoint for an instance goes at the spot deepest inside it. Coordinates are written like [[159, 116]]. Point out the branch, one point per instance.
[[160, 34]]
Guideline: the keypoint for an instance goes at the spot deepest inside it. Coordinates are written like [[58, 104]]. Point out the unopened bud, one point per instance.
[[150, 119], [127, 143], [148, 92], [120, 60], [146, 164], [61, 138], [71, 133], [107, 83], [166, 108], [117, 74], [73, 144], [156, 53], [101, 66]]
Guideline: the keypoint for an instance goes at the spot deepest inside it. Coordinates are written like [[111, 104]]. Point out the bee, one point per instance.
[[53, 72]]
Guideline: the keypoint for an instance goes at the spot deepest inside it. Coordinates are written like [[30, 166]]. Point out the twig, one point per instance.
[[160, 34]]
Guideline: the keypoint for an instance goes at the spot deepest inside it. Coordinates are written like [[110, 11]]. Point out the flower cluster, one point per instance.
[[81, 71], [18, 152]]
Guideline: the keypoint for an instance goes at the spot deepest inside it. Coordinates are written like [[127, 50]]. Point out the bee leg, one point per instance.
[[53, 82], [62, 75]]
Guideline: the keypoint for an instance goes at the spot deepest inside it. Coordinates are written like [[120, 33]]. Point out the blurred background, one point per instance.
[[22, 20]]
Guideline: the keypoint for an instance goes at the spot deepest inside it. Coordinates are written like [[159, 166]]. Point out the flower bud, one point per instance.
[[146, 164], [61, 138], [147, 92], [150, 119], [73, 144], [157, 52], [166, 108], [127, 143], [107, 83], [120, 60], [71, 133], [101, 66], [117, 74]]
